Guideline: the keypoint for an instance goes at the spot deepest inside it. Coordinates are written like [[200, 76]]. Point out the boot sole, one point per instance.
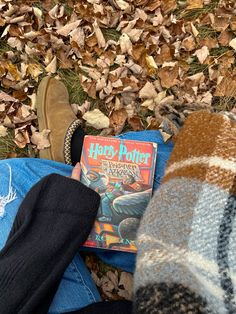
[[41, 113]]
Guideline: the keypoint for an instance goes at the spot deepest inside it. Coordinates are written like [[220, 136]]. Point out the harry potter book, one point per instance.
[[122, 172]]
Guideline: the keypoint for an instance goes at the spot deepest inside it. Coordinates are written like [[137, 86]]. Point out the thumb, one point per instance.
[[76, 172]]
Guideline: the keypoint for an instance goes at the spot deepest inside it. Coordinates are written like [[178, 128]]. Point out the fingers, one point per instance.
[[76, 172]]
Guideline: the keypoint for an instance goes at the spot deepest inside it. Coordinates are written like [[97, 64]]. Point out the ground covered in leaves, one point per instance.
[[128, 65]]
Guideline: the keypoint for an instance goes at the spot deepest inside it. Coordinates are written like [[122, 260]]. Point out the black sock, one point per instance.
[[114, 307], [76, 145], [53, 221]]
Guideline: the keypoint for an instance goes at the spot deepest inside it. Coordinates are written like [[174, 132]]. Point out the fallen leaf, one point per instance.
[[151, 64], [21, 137], [168, 76], [66, 29], [153, 124], [148, 91], [126, 281], [194, 4], [118, 119], [135, 34], [227, 87], [202, 54], [225, 38], [3, 131], [168, 5], [34, 70], [189, 43], [56, 12], [136, 123], [194, 30], [5, 97], [152, 5], [40, 139], [96, 119], [233, 43], [84, 107], [113, 276], [52, 66], [210, 43], [125, 44], [100, 38], [123, 5], [14, 42], [165, 136], [33, 99]]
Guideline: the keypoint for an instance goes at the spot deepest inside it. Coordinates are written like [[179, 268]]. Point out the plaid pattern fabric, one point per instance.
[[186, 259]]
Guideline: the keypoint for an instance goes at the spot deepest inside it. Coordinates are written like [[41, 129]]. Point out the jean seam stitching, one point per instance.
[[83, 282]]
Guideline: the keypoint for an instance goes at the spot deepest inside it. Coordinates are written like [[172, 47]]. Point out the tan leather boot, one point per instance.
[[55, 113]]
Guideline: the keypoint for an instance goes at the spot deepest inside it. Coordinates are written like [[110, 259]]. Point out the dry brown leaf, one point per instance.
[[56, 12], [96, 119], [118, 119], [89, 87], [168, 6], [210, 43], [34, 70], [227, 87], [39, 16], [66, 29], [21, 137], [219, 23], [168, 76], [233, 43], [52, 66], [189, 43], [126, 281], [84, 107], [125, 44], [3, 131], [78, 36], [194, 4], [7, 98], [158, 18], [100, 38], [165, 54], [20, 95], [152, 5], [136, 123], [202, 54], [13, 71], [165, 135], [113, 276], [123, 5], [40, 139], [15, 42], [33, 99], [65, 62], [148, 91], [225, 38], [194, 30], [135, 34]]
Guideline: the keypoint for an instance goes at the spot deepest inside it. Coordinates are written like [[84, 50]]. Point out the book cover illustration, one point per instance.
[[122, 172]]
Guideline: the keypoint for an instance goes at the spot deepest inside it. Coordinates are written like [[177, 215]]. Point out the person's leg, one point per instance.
[[71, 142], [17, 176]]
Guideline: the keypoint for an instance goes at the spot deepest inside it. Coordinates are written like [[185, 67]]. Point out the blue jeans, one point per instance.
[[17, 176]]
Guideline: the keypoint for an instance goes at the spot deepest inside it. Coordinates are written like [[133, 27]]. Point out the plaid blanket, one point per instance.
[[186, 259]]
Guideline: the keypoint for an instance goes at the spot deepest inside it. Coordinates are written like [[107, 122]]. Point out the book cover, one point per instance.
[[122, 172]]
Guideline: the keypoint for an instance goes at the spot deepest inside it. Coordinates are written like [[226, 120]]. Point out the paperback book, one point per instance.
[[122, 172]]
